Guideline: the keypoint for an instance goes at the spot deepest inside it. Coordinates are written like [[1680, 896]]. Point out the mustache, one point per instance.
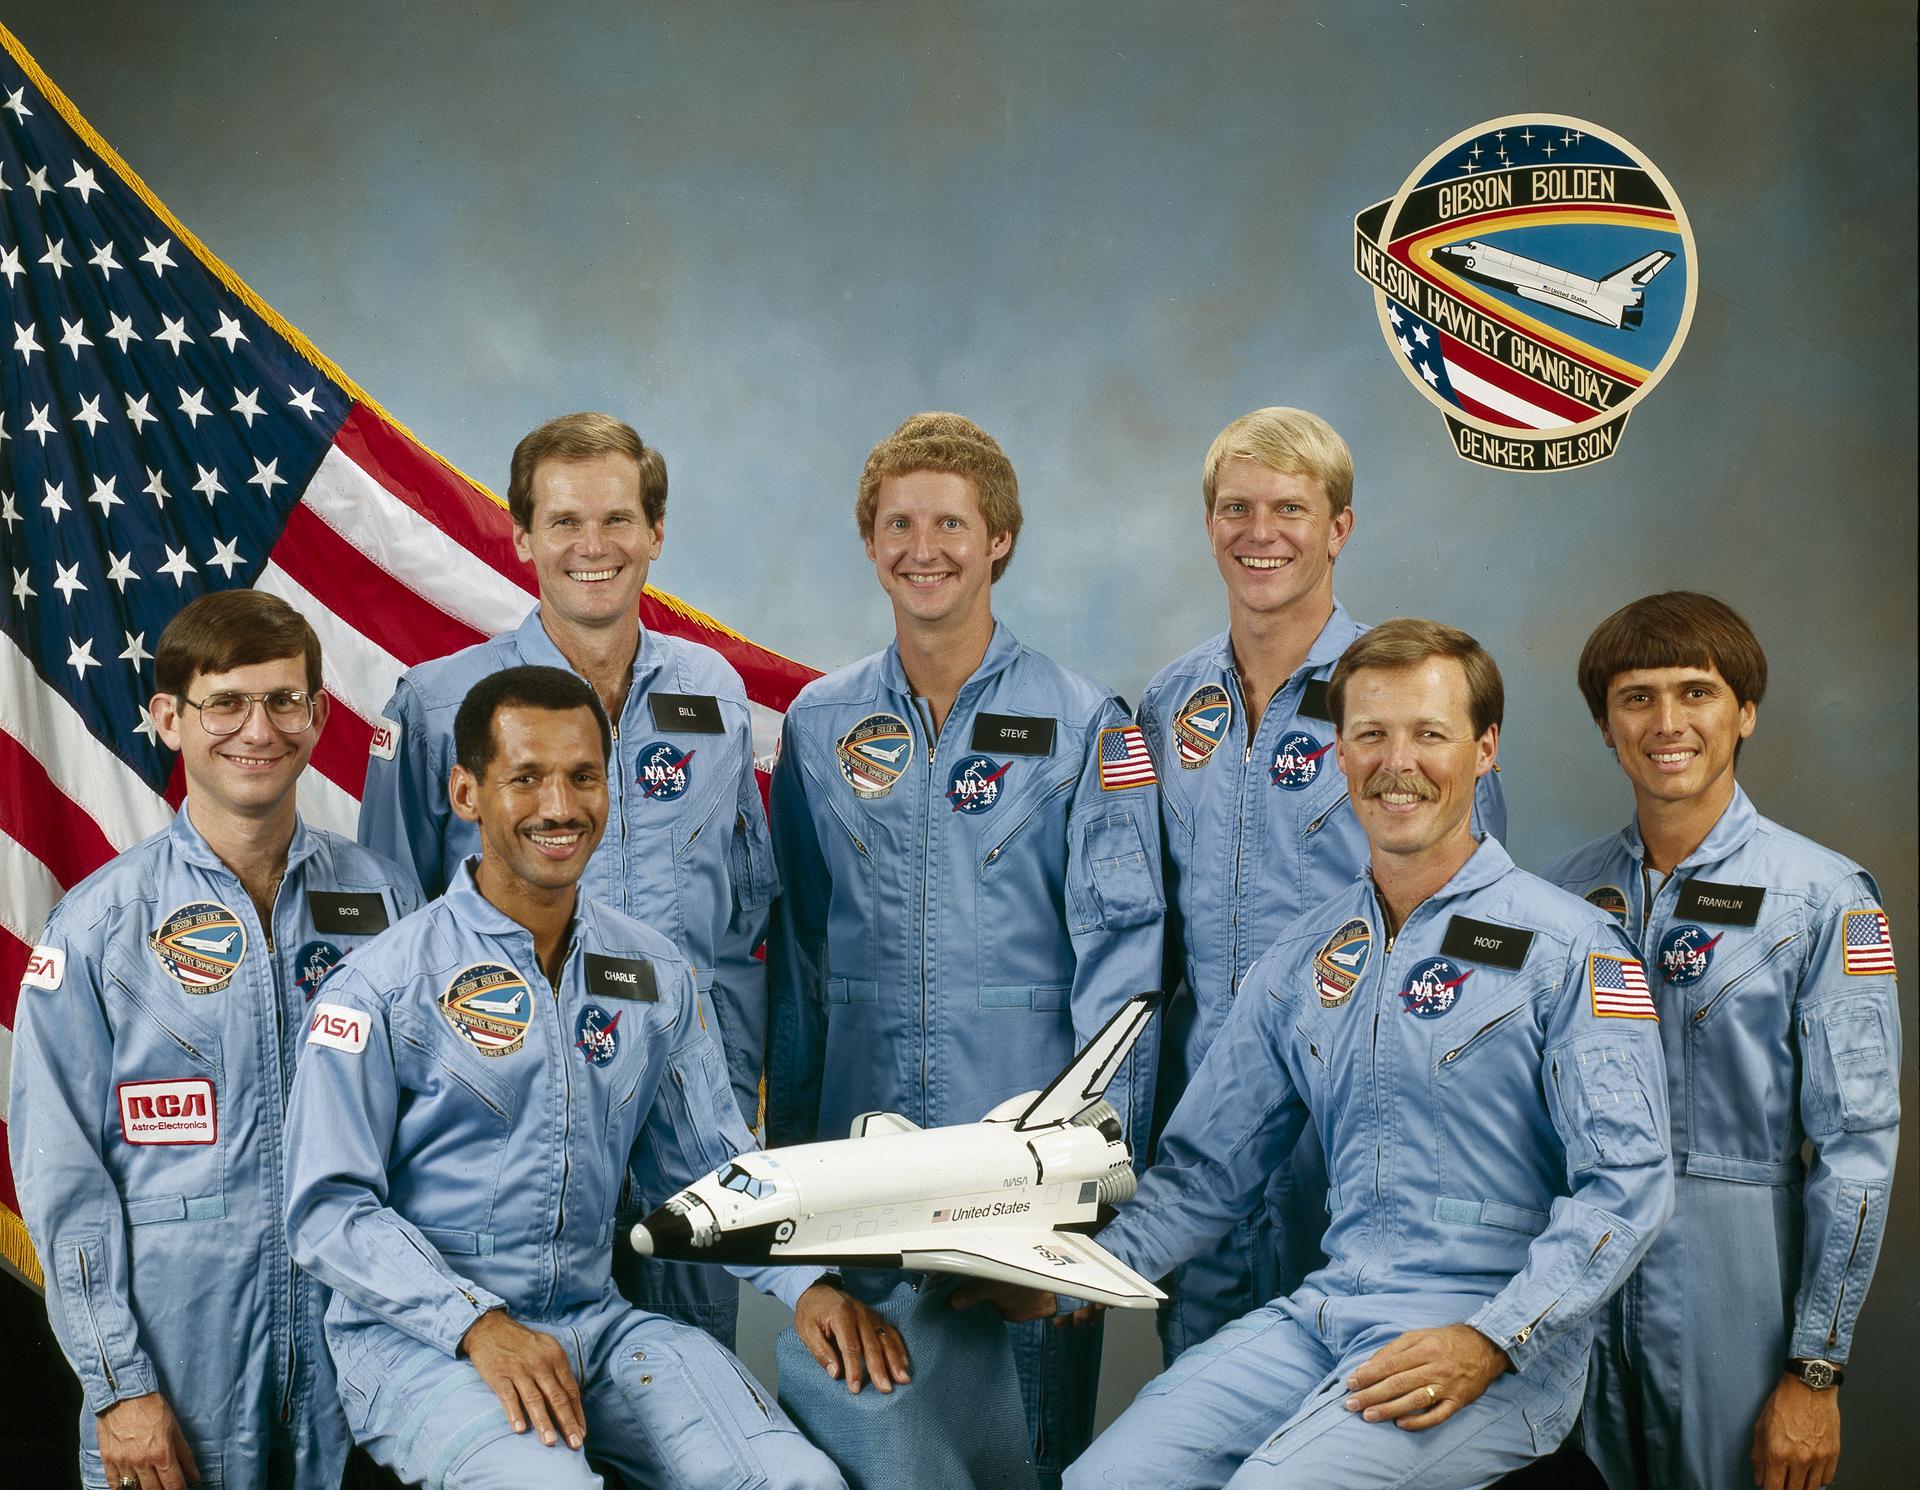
[[1382, 782]]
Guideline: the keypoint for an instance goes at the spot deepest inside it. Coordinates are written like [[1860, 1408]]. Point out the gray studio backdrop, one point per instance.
[[765, 232]]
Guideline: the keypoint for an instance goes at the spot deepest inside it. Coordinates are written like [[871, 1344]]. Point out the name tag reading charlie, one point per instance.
[[1730, 905], [622, 978], [1486, 943], [1012, 734], [354, 914], [689, 713]]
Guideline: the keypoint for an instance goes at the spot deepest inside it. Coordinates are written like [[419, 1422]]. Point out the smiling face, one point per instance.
[[1274, 536], [931, 550], [250, 773], [589, 540], [541, 803], [1411, 758], [1675, 731]]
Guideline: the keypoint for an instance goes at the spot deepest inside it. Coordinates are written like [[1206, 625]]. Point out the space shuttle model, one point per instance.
[[1618, 300], [1012, 1197]]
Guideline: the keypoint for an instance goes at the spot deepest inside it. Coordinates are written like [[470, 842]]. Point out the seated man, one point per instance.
[[473, 1086], [1479, 1055]]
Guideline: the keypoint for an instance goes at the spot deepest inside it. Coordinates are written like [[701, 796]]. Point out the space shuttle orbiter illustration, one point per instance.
[[1011, 1197], [1614, 301]]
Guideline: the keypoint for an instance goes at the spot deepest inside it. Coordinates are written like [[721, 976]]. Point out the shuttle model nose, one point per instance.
[[666, 1233]]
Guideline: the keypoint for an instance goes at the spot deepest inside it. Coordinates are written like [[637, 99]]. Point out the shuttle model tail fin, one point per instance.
[[1079, 1086]]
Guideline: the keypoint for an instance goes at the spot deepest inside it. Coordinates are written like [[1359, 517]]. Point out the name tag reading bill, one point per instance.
[[689, 713], [622, 978], [1012, 734], [1486, 943]]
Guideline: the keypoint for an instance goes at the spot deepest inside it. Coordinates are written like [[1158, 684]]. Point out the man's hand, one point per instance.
[[140, 1440], [1424, 1377], [1018, 1304], [528, 1372], [1796, 1438], [850, 1341]]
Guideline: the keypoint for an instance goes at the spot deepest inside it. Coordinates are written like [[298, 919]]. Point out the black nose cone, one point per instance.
[[672, 1233]]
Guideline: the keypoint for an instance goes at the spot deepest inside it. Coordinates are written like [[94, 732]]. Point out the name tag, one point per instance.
[[1012, 734], [1730, 905], [689, 713], [1313, 701], [622, 978], [360, 914], [1486, 943]]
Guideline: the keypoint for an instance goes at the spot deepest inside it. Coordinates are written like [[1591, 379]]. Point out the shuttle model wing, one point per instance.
[[1063, 1262]]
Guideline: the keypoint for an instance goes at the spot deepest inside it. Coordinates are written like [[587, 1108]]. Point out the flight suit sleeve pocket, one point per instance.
[[750, 861], [1612, 1086], [1852, 1061], [1124, 892]]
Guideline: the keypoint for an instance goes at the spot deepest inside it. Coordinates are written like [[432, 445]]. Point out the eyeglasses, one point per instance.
[[289, 710]]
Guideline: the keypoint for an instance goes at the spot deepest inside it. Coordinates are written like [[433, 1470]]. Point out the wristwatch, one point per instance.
[[1821, 1375]]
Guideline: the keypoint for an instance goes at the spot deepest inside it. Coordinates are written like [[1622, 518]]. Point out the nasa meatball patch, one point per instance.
[[1686, 952], [1433, 987], [596, 1035], [1297, 760], [666, 771], [975, 784]]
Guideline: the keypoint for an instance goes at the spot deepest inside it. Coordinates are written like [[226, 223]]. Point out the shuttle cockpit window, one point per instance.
[[736, 1178]]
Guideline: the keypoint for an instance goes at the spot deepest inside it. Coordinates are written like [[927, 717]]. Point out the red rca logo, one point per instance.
[[339, 1027], [168, 1112]]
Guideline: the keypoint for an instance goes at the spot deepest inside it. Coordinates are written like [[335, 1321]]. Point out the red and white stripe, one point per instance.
[[1630, 999], [1868, 942]]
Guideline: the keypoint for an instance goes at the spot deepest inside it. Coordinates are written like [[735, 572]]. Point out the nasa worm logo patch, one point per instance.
[[490, 1006], [1337, 966], [1686, 952], [665, 771], [1433, 987], [200, 944], [312, 963], [596, 1035], [874, 754], [1297, 760], [1200, 724], [1534, 277], [976, 782]]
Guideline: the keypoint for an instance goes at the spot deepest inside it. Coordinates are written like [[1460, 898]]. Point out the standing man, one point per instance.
[[159, 1021], [1773, 971], [473, 1086], [686, 850], [1258, 824], [1489, 1089], [966, 833]]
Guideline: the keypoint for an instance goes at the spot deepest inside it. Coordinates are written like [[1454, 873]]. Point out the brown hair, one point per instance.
[[1680, 628], [229, 629], [582, 437], [956, 445], [1290, 441], [1407, 643]]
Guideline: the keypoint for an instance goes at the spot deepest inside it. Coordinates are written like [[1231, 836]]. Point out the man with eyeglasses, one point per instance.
[[154, 1044]]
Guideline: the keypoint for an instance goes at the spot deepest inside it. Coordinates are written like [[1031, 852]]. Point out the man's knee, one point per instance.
[[517, 1460]]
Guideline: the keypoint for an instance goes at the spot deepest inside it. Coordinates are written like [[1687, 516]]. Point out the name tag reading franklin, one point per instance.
[[1313, 701], [689, 713], [1012, 734], [352, 914], [622, 978], [1730, 905], [1486, 943]]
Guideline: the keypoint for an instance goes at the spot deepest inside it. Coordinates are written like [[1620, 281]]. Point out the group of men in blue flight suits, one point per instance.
[[1419, 1119]]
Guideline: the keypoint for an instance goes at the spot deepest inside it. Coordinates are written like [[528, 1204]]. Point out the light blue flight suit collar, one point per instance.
[[1490, 862], [1735, 827], [537, 648], [479, 914], [192, 845], [1002, 648], [1334, 638]]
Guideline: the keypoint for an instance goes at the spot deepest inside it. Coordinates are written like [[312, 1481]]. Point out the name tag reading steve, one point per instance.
[[1730, 905], [689, 713], [1012, 734], [622, 978], [360, 914], [1486, 943]]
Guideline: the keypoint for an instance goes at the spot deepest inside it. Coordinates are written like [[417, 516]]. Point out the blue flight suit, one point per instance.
[[1773, 972], [1487, 1085], [671, 857], [157, 1031], [960, 913], [1256, 831], [459, 1134]]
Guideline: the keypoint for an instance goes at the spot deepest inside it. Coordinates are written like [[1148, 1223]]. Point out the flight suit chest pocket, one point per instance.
[[434, 1062], [1854, 1086], [1120, 885], [171, 1033], [1760, 963]]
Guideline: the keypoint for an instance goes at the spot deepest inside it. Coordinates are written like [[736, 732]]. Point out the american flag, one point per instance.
[[1867, 942], [163, 433], [1124, 760], [1619, 988]]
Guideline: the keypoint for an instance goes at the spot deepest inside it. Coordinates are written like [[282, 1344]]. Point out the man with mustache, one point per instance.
[[1479, 1055], [470, 1092], [1256, 821], [1773, 973], [687, 850]]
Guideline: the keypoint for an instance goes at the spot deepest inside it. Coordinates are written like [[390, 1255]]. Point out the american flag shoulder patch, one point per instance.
[[1124, 761], [1618, 987], [1866, 942]]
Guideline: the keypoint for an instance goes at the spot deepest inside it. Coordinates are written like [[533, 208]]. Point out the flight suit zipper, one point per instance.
[[1032, 812], [1772, 952], [566, 1123], [280, 1068], [926, 851], [1474, 1039], [1840, 1302], [86, 1292], [1525, 1332]]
